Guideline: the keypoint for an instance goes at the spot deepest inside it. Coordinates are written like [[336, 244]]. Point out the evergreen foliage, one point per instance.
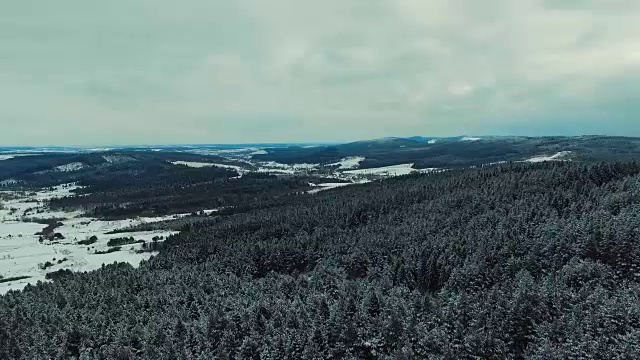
[[505, 262]]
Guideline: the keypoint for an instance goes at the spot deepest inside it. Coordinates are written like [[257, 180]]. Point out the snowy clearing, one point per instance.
[[348, 163], [278, 168], [395, 170], [276, 165], [468, 138], [561, 156], [111, 159], [75, 166], [22, 254], [429, 170], [11, 156], [327, 186]]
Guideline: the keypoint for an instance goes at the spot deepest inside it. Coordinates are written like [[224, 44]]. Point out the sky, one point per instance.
[[77, 72]]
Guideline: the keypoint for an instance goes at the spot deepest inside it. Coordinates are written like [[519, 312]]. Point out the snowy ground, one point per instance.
[[21, 253], [348, 163], [70, 167], [395, 170], [273, 167], [326, 186], [117, 158], [561, 156]]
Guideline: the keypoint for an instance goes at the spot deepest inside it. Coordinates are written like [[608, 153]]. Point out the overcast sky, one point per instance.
[[231, 71]]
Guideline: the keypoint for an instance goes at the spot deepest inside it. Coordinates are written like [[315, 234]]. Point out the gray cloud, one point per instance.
[[142, 71]]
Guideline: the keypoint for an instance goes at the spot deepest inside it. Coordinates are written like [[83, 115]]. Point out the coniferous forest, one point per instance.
[[516, 261]]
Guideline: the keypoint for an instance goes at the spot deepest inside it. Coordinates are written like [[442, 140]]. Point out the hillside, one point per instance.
[[460, 151]]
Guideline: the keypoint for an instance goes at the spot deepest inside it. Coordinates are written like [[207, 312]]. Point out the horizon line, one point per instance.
[[319, 143]]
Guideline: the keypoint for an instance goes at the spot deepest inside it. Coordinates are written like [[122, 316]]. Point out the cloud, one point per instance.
[[142, 71]]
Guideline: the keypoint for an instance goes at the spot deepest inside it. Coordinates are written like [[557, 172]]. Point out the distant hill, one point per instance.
[[427, 152]]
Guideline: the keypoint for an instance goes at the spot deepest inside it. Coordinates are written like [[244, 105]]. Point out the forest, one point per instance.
[[162, 189], [513, 261], [148, 184]]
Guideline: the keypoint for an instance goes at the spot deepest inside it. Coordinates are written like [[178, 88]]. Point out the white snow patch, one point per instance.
[[117, 158], [14, 155], [498, 163], [387, 171], [467, 138], [432, 141], [348, 163], [75, 166], [278, 168], [21, 252], [556, 157], [327, 186], [273, 164], [259, 152], [428, 170], [394, 170]]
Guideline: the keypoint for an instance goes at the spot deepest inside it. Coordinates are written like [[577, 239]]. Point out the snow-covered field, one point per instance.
[[326, 186], [70, 167], [111, 159], [273, 167], [21, 252], [561, 156], [395, 170], [348, 163]]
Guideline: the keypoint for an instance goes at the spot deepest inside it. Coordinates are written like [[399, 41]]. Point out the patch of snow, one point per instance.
[[467, 138], [432, 141], [348, 163], [498, 163], [394, 170], [428, 170], [259, 152], [111, 159], [327, 186], [556, 157], [75, 166], [21, 252], [13, 155], [273, 167], [276, 165], [276, 171]]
